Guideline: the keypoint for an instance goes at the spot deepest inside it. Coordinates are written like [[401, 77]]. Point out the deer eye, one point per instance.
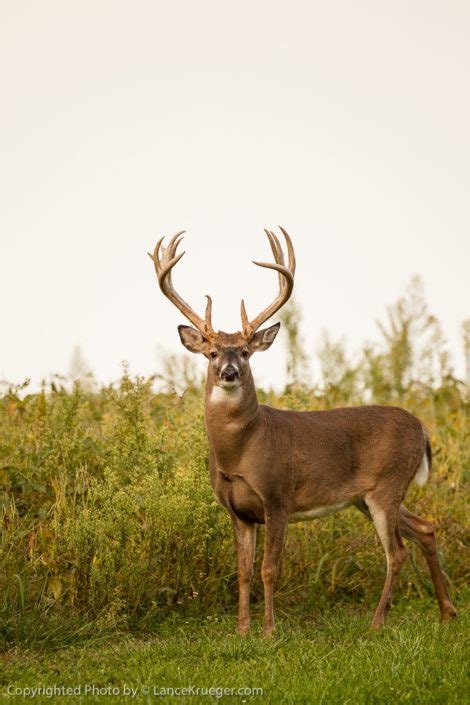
[[245, 353], [213, 354]]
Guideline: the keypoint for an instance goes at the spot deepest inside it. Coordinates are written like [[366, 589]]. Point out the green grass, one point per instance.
[[332, 658]]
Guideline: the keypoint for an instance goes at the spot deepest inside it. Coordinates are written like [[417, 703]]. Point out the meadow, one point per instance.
[[118, 565]]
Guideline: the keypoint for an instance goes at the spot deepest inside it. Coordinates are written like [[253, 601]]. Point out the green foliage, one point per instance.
[[466, 349], [108, 516], [297, 368]]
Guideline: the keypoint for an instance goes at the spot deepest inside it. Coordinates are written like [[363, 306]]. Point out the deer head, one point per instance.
[[228, 353]]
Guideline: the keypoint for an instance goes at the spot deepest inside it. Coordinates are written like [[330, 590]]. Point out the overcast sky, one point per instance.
[[348, 123]]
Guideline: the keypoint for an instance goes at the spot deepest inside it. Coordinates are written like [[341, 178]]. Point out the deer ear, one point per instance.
[[263, 339], [192, 339]]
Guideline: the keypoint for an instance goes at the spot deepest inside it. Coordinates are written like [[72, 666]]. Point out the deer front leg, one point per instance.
[[245, 543], [275, 531]]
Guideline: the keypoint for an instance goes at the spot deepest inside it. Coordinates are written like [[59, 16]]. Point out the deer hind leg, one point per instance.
[[245, 543], [385, 518], [274, 535], [421, 532]]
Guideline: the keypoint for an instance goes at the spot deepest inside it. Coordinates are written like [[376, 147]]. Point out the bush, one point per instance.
[[108, 513]]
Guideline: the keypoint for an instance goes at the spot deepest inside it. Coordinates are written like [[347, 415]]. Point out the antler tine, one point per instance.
[[275, 247], [290, 249], [164, 262], [165, 271], [283, 271], [286, 282], [173, 244], [154, 256], [280, 254], [246, 327], [208, 314], [277, 252]]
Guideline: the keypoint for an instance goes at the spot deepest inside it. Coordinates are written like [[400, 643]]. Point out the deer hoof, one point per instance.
[[448, 615], [243, 629], [269, 630]]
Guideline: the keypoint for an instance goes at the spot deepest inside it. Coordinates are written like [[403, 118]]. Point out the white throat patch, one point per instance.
[[226, 395]]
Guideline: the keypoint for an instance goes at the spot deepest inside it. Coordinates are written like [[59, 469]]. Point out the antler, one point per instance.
[[164, 263], [286, 282]]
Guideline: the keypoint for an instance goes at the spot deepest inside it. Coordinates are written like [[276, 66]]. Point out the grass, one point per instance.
[[332, 658]]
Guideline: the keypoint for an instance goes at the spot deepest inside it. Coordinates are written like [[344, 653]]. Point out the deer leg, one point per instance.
[[421, 532], [386, 523], [275, 531], [245, 543]]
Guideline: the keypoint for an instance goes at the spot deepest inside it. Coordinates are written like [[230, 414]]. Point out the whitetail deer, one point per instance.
[[270, 466]]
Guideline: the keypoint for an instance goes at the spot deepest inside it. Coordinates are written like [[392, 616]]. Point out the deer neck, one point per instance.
[[231, 415]]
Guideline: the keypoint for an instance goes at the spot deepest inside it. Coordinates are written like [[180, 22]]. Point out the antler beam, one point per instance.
[[286, 282], [164, 259]]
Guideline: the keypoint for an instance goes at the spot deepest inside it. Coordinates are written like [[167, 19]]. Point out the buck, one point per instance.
[[271, 466]]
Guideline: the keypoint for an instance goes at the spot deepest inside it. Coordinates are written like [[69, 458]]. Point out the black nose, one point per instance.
[[229, 373]]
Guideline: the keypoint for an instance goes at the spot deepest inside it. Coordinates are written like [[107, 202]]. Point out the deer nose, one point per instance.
[[229, 373]]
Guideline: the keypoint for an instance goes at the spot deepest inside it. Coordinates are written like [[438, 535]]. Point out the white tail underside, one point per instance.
[[422, 472]]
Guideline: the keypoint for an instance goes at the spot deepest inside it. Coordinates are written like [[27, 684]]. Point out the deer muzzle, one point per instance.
[[229, 373]]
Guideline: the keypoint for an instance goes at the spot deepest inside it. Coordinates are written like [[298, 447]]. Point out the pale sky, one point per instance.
[[348, 123]]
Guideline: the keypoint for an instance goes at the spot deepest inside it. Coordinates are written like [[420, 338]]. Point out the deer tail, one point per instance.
[[424, 469]]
